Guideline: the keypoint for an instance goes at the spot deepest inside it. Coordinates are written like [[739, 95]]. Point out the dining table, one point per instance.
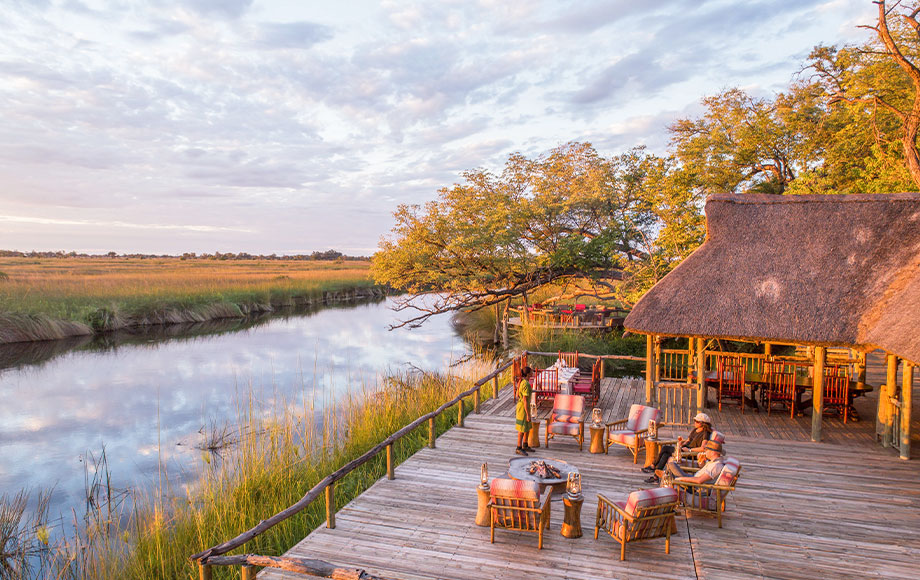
[[803, 383]]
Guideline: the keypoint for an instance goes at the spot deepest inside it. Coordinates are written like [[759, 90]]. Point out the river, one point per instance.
[[144, 398]]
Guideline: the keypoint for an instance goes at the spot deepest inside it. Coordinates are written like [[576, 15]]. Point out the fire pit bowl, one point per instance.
[[521, 467]]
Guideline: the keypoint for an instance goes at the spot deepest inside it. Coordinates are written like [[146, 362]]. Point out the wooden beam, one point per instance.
[[886, 393], [330, 506], [649, 367], [817, 411], [390, 473], [700, 374], [907, 384]]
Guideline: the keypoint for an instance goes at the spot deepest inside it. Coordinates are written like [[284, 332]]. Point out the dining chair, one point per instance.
[[837, 389], [546, 384], [779, 386], [569, 358], [731, 380], [589, 387]]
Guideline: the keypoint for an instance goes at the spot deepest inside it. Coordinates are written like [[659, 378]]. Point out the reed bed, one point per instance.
[[275, 458], [37, 296]]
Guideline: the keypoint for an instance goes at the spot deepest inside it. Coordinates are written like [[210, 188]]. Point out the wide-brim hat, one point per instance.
[[713, 446], [703, 418]]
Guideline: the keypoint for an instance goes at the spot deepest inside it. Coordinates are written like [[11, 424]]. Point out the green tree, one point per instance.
[[570, 218]]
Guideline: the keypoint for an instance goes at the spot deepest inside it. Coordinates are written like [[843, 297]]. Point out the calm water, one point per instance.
[[144, 398]]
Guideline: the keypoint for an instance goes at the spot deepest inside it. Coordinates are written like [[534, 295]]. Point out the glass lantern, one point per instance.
[[484, 475], [573, 484], [596, 416], [533, 410]]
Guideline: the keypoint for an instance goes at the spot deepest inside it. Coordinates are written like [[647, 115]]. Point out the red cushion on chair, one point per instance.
[[649, 497], [515, 488]]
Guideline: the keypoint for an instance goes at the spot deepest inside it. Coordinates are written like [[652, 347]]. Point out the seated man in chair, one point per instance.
[[710, 471]]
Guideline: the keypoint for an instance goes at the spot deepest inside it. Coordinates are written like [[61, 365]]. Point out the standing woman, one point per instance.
[[522, 412]]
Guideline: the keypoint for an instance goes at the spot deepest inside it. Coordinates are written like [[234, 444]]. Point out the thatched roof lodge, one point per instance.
[[817, 270]]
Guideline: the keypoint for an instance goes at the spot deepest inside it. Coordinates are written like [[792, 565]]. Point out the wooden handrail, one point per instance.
[[600, 356], [318, 489], [317, 568]]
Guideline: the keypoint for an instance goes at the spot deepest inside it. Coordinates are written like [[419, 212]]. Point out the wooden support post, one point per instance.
[[861, 369], [817, 411], [495, 387], [886, 393], [248, 573], [390, 474], [460, 413], [907, 383], [657, 366], [767, 349], [649, 368], [431, 433], [330, 506], [700, 374], [204, 571], [476, 402]]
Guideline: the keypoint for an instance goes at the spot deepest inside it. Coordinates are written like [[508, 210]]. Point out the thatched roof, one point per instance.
[[812, 269]]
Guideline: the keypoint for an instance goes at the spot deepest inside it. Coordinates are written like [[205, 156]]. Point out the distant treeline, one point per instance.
[[327, 255]]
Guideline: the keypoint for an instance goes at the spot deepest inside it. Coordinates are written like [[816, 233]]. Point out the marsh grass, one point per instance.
[[276, 458]]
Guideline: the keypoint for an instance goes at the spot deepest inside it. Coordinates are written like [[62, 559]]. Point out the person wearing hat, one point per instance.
[[713, 452], [699, 434]]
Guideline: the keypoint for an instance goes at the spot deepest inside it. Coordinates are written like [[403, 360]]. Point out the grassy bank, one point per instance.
[[49, 298], [273, 463]]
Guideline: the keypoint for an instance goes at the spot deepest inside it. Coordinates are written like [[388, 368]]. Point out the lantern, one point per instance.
[[484, 475], [573, 484], [533, 410], [596, 416]]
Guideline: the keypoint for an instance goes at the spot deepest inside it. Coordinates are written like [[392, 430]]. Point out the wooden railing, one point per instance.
[[326, 488], [676, 402], [674, 365]]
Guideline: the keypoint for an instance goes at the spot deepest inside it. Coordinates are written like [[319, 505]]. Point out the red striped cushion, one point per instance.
[[569, 405], [649, 497], [717, 436], [639, 416], [730, 467], [563, 428], [624, 437], [515, 488]]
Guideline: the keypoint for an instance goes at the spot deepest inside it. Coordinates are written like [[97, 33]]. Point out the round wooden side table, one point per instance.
[[533, 439], [482, 513], [653, 447], [597, 438], [571, 519]]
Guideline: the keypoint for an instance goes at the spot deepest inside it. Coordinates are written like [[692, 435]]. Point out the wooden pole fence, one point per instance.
[[317, 568]]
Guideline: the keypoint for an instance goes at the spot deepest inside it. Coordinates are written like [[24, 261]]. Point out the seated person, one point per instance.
[[712, 450], [702, 429]]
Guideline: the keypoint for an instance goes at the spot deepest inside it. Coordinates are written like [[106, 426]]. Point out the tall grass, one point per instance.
[[275, 460], [104, 293]]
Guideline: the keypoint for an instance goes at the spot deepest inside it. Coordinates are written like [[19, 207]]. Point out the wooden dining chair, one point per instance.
[[546, 384], [569, 358], [731, 380], [779, 386], [589, 387], [837, 389]]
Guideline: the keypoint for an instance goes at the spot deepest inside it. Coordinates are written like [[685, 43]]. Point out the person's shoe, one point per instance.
[[529, 449], [649, 469], [653, 479], [520, 451]]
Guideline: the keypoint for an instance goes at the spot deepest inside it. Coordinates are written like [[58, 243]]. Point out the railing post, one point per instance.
[[204, 571], [330, 506], [249, 572], [460, 413], [907, 383], [390, 474], [883, 422], [495, 387], [431, 433], [476, 402], [701, 394]]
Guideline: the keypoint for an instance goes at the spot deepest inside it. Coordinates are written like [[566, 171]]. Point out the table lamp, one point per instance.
[[484, 476], [596, 416]]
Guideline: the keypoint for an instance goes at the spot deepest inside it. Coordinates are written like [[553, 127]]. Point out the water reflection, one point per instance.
[[141, 393]]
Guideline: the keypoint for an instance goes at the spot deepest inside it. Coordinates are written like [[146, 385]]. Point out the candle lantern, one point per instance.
[[653, 429], [573, 484], [596, 416], [484, 475], [533, 410]]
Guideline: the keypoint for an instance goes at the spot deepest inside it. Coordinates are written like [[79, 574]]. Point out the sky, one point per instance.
[[283, 126]]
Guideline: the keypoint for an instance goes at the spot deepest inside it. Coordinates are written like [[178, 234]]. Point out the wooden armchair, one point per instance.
[[567, 419], [837, 390], [630, 432], [589, 388], [516, 505], [644, 515], [709, 498], [546, 384]]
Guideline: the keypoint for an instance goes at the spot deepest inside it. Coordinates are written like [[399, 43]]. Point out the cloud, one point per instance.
[[230, 9], [291, 34]]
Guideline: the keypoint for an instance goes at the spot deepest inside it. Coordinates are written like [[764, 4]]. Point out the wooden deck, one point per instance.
[[843, 508]]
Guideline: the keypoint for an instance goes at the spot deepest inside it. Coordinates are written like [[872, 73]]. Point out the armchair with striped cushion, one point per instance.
[[630, 432], [567, 419], [644, 515], [516, 505], [710, 498]]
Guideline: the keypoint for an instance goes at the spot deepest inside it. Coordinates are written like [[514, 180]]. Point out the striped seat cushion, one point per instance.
[[639, 416], [563, 428], [515, 488], [730, 467], [649, 497], [623, 437], [568, 405]]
